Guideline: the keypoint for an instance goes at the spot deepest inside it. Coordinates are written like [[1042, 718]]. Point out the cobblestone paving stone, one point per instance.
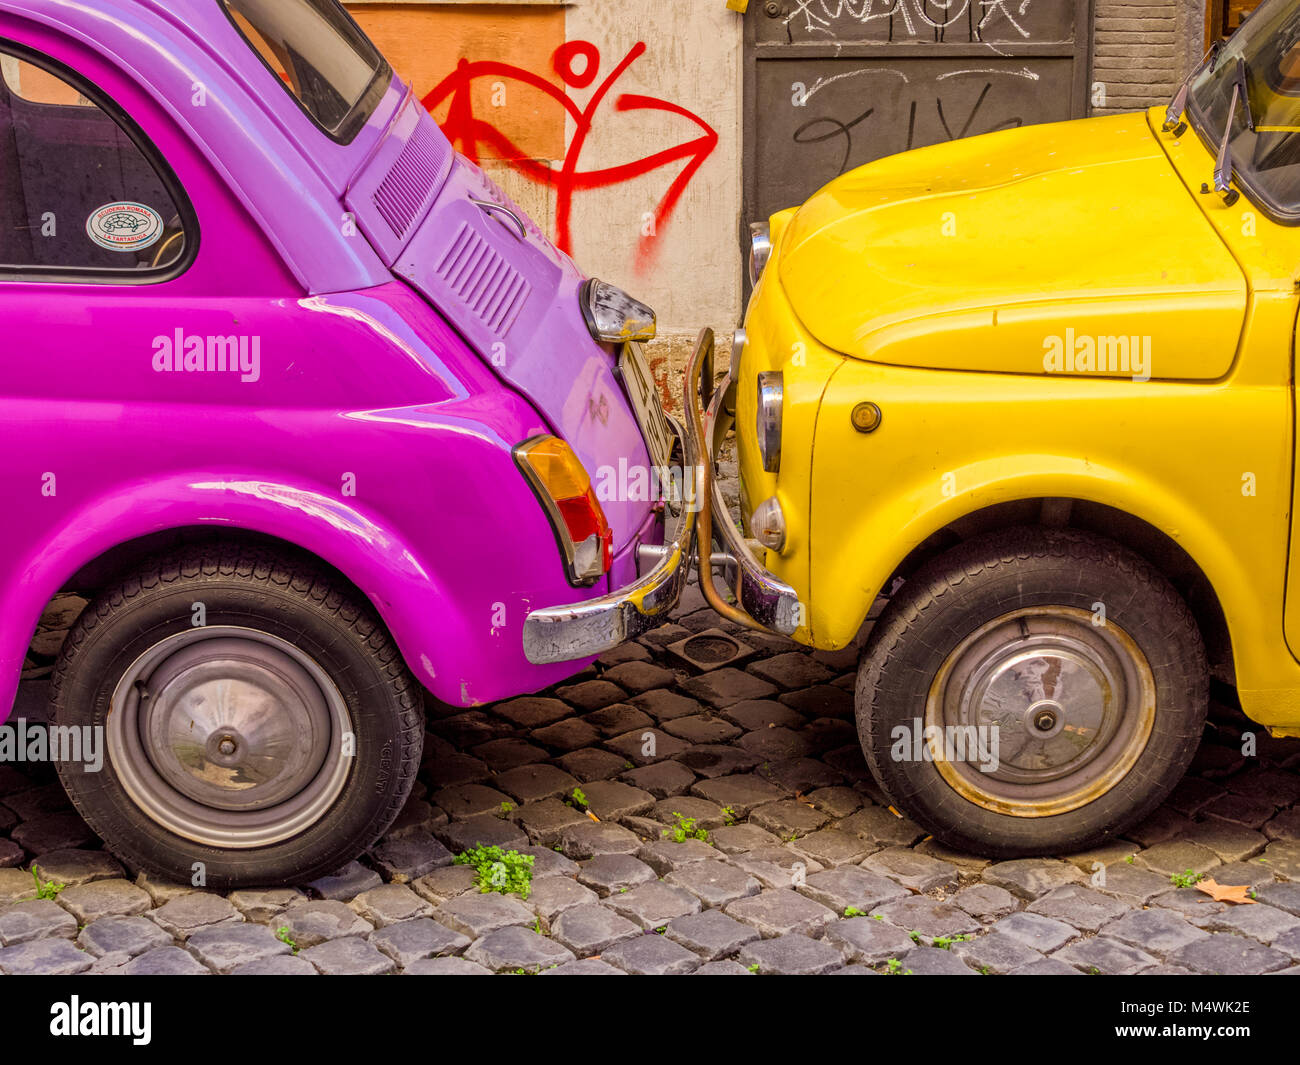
[[805, 868]]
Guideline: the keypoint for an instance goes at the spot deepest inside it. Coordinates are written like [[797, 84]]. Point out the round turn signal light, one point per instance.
[[866, 417]]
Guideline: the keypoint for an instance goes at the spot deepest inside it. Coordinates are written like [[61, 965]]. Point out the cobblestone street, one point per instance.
[[805, 868]]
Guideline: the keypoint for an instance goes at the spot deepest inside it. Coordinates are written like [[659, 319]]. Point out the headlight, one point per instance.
[[771, 400], [614, 316], [760, 249]]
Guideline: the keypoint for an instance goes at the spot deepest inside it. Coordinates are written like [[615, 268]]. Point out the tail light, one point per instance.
[[569, 499]]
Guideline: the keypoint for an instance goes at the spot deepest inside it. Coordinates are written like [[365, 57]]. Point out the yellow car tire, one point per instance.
[[1032, 692]]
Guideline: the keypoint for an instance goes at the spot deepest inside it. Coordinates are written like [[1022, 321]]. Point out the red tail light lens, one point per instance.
[[569, 498]]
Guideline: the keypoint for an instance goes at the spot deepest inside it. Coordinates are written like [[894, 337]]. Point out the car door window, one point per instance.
[[82, 193]]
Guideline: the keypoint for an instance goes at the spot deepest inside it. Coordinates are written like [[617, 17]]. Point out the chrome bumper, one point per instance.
[[565, 633], [765, 601]]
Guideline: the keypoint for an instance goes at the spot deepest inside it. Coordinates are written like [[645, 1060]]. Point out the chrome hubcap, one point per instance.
[[229, 737], [1071, 703]]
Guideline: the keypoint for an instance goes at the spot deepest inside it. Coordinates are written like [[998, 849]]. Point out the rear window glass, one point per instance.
[[319, 54]]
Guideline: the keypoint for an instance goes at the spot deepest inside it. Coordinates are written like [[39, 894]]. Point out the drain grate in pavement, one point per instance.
[[710, 649]]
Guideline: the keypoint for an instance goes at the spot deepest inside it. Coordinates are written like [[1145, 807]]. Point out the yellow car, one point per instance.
[[1033, 392]]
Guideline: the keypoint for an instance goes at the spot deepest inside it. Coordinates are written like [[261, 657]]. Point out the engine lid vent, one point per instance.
[[489, 287], [412, 180]]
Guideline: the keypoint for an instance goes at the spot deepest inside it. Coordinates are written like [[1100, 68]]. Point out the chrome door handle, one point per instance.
[[496, 208]]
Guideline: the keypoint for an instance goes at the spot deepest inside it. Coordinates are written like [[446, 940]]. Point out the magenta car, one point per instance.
[[310, 412]]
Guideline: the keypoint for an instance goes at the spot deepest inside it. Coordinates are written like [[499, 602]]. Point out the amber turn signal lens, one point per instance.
[[866, 417], [557, 467], [566, 493]]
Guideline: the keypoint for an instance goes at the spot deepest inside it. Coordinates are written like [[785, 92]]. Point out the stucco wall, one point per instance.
[[690, 270], [615, 124]]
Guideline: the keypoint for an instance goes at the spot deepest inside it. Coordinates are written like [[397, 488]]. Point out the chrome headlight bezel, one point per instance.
[[760, 249], [738, 342], [614, 317], [771, 409]]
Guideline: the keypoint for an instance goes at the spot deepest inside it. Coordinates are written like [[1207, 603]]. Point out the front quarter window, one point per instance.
[[1265, 160], [320, 55]]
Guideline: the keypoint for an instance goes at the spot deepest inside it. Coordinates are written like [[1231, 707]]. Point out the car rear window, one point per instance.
[[320, 55]]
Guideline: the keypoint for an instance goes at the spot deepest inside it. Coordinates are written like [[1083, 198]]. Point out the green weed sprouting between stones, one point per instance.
[[505, 810], [505, 872], [753, 968], [1186, 879], [282, 934], [729, 816], [578, 800], [685, 829], [853, 911], [46, 889], [894, 967], [946, 942]]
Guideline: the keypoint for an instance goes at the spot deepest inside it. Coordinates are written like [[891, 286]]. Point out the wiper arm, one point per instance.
[[1174, 113], [1223, 167]]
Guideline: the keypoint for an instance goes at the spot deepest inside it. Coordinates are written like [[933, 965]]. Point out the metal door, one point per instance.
[[833, 84]]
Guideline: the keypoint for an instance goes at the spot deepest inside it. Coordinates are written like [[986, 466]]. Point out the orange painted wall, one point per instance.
[[424, 42]]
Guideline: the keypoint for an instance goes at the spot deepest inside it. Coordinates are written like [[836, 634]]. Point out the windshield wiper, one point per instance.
[[1223, 167], [1174, 113]]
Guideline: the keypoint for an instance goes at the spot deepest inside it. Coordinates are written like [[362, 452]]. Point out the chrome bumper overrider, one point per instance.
[[564, 633], [764, 600]]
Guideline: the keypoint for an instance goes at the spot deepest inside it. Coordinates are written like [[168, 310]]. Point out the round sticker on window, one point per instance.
[[124, 226]]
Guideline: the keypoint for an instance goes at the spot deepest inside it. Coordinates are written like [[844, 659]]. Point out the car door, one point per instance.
[[95, 232], [99, 262]]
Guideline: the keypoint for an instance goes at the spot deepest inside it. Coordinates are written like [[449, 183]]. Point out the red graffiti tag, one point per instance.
[[578, 65]]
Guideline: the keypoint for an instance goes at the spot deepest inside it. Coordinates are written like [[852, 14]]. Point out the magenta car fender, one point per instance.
[[305, 407]]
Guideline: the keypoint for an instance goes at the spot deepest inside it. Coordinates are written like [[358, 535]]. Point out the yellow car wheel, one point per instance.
[[1032, 692]]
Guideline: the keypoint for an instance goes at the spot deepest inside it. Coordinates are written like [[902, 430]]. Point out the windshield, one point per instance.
[[1266, 161], [320, 55]]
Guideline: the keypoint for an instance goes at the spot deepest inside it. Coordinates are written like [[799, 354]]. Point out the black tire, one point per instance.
[[299, 610], [954, 619]]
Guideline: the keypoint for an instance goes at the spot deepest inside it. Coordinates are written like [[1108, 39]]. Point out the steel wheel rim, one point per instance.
[[1073, 704], [229, 737]]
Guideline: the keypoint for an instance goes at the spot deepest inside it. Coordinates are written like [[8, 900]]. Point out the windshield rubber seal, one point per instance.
[[1280, 215]]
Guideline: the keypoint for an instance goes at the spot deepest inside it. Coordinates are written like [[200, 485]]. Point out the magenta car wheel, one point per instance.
[[229, 736], [271, 744]]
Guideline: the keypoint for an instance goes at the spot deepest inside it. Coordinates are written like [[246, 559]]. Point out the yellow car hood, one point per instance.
[[1030, 250]]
